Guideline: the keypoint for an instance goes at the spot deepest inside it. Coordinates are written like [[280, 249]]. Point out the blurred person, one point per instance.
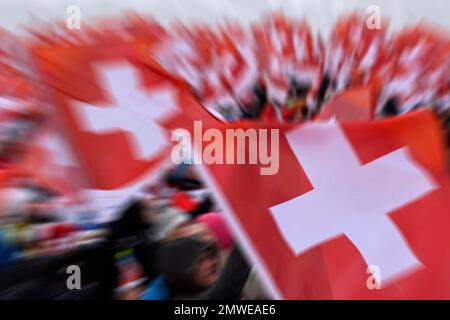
[[196, 264], [212, 226], [191, 267], [141, 228], [218, 228]]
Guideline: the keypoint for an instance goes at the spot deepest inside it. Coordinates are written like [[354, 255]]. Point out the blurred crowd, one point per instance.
[[168, 243], [172, 241]]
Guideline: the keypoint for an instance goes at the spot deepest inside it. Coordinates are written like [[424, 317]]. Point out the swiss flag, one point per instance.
[[115, 107], [355, 211]]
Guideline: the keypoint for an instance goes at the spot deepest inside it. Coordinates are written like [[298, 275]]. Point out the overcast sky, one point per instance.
[[320, 13]]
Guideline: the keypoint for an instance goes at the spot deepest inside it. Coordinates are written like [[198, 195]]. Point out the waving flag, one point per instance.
[[116, 106], [356, 211]]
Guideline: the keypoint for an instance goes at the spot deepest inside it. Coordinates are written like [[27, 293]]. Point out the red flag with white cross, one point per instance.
[[116, 107], [350, 211]]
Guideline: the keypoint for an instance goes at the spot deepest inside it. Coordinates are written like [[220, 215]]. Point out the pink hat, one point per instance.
[[218, 227]]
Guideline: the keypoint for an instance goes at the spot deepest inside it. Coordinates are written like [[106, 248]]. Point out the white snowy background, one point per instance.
[[14, 14]]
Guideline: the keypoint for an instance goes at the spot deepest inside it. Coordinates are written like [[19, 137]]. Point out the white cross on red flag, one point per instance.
[[117, 107], [347, 198]]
